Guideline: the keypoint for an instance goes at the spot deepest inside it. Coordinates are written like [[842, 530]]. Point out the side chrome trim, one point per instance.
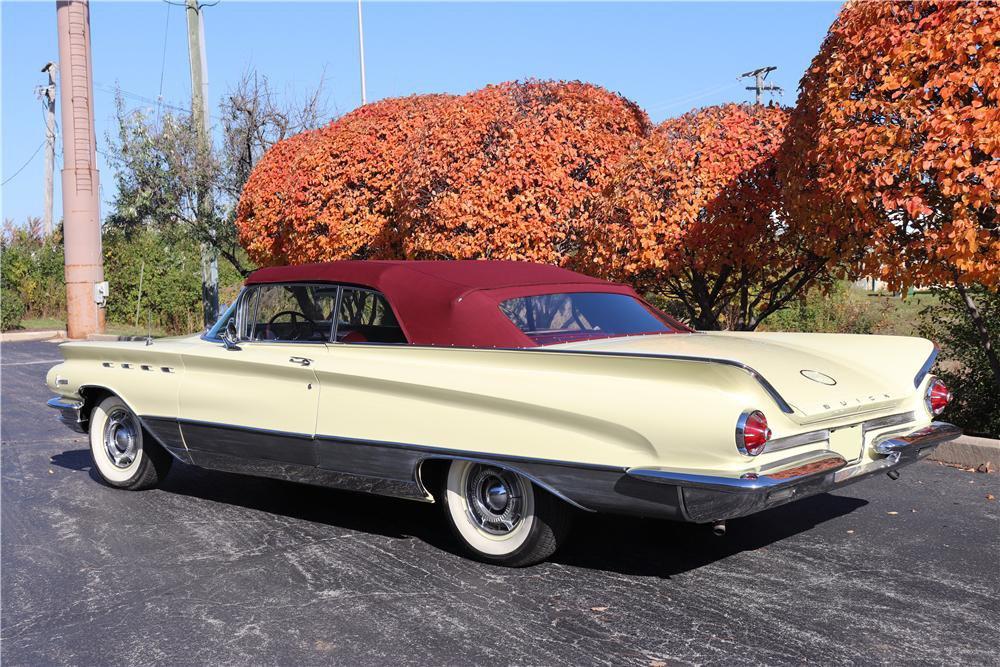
[[773, 393], [926, 368]]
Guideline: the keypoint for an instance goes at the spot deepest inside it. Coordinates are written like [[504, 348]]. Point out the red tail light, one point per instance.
[[938, 397], [752, 433]]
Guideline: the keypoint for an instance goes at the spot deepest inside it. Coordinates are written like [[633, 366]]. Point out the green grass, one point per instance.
[[849, 309]]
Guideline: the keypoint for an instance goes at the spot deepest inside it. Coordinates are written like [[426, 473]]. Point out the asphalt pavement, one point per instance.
[[215, 568]]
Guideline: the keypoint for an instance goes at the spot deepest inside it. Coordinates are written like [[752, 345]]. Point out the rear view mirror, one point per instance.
[[231, 336]]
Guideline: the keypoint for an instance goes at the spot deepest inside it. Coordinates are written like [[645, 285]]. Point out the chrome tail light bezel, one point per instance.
[[750, 422]]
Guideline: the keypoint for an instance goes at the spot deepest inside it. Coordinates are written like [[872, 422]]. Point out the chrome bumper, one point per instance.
[[705, 497], [70, 413]]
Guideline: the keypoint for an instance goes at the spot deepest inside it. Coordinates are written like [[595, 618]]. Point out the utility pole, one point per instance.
[[759, 75], [361, 48], [48, 97], [86, 291], [200, 116]]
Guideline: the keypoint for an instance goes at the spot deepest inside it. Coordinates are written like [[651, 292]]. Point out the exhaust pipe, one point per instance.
[[892, 474], [719, 528]]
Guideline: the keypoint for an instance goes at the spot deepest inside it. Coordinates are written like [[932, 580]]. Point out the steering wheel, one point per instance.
[[298, 330]]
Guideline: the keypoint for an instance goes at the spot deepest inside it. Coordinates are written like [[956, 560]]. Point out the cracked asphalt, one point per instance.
[[215, 568]]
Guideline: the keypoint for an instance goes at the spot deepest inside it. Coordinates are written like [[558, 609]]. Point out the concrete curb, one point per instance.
[[969, 452], [25, 336]]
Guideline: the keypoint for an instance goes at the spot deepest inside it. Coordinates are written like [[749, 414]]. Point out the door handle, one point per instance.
[[302, 361]]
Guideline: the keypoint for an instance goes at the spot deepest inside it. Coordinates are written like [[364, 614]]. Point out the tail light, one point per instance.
[[938, 397], [752, 433]]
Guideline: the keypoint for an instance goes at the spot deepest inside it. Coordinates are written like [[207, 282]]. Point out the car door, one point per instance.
[[260, 401]]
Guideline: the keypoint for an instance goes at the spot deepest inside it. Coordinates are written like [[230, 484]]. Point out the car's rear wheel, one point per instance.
[[123, 457], [500, 517]]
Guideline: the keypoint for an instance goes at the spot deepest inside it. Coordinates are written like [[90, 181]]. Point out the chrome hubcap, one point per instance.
[[121, 438], [495, 499]]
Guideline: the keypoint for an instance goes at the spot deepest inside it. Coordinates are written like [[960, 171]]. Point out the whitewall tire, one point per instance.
[[500, 517], [123, 455]]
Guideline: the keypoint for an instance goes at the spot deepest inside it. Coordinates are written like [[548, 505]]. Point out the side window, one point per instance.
[[291, 313], [365, 316]]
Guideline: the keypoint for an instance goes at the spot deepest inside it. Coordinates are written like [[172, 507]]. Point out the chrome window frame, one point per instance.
[[252, 290], [336, 324]]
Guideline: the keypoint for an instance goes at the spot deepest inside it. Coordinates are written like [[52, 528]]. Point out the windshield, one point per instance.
[[561, 318]]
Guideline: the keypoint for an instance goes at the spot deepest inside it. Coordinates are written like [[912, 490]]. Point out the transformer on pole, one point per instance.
[[759, 87]]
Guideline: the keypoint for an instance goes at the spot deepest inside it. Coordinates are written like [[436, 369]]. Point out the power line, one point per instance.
[[163, 62], [11, 177], [705, 92]]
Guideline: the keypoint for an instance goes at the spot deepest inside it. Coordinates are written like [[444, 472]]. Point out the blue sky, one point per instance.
[[668, 57]]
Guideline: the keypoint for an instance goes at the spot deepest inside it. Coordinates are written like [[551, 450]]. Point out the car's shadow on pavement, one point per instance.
[[627, 545]]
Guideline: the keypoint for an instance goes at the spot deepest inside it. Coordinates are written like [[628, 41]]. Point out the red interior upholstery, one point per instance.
[[354, 337]]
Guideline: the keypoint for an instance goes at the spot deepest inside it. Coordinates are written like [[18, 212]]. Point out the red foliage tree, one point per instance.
[[331, 193], [514, 171], [894, 146], [695, 213]]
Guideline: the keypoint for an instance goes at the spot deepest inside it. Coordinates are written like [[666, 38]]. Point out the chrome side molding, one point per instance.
[[926, 368]]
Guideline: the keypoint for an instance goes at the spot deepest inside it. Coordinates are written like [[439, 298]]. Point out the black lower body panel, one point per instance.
[[393, 469]]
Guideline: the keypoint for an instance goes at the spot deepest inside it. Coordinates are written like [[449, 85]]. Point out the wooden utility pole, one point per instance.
[[48, 96], [200, 116], [86, 291], [759, 75]]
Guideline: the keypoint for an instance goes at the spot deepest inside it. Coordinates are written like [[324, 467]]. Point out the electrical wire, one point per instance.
[[163, 63], [11, 177], [692, 97]]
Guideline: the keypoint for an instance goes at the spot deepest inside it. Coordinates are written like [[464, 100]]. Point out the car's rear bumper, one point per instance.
[[70, 413], [708, 497]]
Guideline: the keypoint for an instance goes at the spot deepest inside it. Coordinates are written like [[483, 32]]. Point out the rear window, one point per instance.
[[560, 318]]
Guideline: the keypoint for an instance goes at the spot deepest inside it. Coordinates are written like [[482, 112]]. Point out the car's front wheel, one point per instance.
[[500, 517], [121, 454]]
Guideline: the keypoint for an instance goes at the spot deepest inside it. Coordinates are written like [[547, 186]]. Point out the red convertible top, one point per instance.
[[448, 302]]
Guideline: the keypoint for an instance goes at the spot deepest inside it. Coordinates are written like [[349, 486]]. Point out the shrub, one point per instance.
[[963, 365], [515, 170], [510, 171], [32, 268], [331, 193], [11, 309]]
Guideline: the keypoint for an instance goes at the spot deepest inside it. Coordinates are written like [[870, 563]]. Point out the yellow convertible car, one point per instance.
[[513, 394]]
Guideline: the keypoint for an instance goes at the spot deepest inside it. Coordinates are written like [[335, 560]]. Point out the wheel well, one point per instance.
[[92, 396], [432, 473]]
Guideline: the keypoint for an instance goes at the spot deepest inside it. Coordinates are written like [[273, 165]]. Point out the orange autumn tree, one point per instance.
[[331, 193], [514, 171], [894, 146], [695, 214]]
